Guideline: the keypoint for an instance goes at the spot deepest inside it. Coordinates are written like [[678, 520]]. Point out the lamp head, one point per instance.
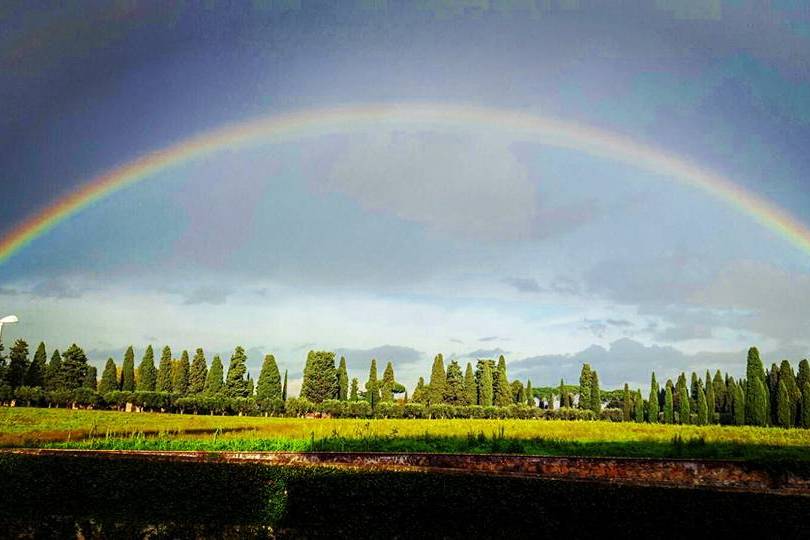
[[8, 320]]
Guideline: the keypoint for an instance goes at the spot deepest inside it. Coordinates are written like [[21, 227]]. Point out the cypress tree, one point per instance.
[[772, 385], [236, 384], [387, 386], [669, 410], [501, 389], [419, 395], [470, 388], [755, 397], [91, 378], [250, 385], [639, 407], [198, 373], [372, 385], [702, 408], [529, 393], [35, 376], [483, 381], [694, 388], [787, 376], [53, 374], [737, 403], [676, 395], [109, 378], [214, 381], [564, 395], [269, 386], [454, 385], [805, 416], [520, 395], [17, 364], [585, 378], [683, 407], [353, 396], [128, 371], [74, 368], [284, 387], [627, 407], [710, 404], [180, 375], [551, 400], [164, 374], [784, 406], [437, 381], [146, 372], [722, 401], [596, 394], [320, 377], [343, 380], [803, 375], [652, 414]]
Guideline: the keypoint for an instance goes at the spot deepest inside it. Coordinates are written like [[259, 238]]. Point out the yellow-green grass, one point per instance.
[[34, 427]]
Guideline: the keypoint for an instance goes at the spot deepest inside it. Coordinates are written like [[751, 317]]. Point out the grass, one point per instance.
[[63, 428]]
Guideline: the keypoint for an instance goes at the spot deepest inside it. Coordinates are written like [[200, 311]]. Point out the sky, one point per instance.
[[398, 241]]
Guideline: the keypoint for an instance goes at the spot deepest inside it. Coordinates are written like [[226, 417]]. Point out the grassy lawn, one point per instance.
[[31, 427]]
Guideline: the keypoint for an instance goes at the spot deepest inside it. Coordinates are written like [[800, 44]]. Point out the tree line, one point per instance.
[[778, 396]]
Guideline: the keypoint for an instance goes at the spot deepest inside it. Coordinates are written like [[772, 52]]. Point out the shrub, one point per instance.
[[298, 407], [85, 397], [569, 413], [612, 415], [441, 410], [387, 409], [29, 395], [413, 410], [358, 409], [333, 407]]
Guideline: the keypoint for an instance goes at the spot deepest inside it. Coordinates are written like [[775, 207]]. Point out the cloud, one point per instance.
[[207, 295], [54, 288], [489, 338], [484, 353], [468, 185], [685, 332], [524, 285], [398, 355], [599, 327], [4, 291]]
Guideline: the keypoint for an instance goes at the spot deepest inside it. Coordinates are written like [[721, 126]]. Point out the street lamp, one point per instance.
[[11, 319]]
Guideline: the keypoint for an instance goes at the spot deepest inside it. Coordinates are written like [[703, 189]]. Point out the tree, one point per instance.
[[53, 373], [596, 394], [585, 387], [638, 415], [91, 378], [109, 378], [454, 385], [250, 386], [438, 378], [669, 412], [284, 387], [74, 368], [343, 380], [737, 405], [214, 383], [627, 406], [17, 364], [354, 394], [198, 373], [35, 376], [518, 393], [805, 416], [128, 371], [164, 374], [694, 388], [320, 377], [804, 375], [387, 386], [652, 405], [722, 401], [501, 390], [783, 402], [529, 394], [483, 381], [710, 403], [269, 386], [755, 397], [564, 395], [372, 385], [683, 406], [236, 385], [470, 388], [180, 374], [147, 374], [787, 376], [702, 408]]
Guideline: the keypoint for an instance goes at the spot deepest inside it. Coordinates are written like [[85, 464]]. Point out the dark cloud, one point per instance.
[[525, 285], [398, 355], [685, 332], [454, 340], [490, 338], [8, 292]]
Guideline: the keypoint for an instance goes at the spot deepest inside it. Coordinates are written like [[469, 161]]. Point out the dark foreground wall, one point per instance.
[[50, 496]]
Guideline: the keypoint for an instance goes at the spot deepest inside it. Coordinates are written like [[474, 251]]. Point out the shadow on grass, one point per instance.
[[56, 496]]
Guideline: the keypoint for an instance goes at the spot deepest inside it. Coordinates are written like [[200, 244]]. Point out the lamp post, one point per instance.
[[11, 319]]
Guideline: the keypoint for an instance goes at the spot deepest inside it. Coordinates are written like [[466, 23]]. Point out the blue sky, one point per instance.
[[405, 241]]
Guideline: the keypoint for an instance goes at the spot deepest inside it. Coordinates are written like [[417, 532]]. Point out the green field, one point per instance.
[[32, 427]]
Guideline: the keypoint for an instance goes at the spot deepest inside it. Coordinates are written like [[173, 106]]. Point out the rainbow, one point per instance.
[[294, 126]]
